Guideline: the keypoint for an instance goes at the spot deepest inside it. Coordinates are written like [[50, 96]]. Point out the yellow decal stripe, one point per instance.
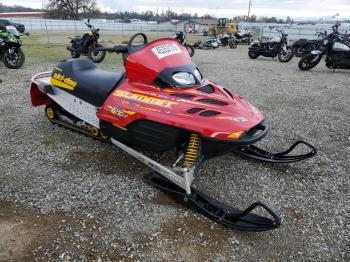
[[55, 82]]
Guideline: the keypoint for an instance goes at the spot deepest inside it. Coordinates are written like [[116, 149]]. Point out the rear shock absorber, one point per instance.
[[192, 151]]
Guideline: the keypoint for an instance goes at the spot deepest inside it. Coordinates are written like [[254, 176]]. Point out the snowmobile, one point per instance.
[[162, 103]]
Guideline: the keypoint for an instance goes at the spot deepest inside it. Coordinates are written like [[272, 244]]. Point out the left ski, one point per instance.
[[217, 211]]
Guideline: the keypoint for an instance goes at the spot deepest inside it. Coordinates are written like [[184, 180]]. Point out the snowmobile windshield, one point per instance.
[[163, 62]]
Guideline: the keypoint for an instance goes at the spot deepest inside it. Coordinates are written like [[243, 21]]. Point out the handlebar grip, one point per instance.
[[116, 49], [109, 49], [121, 48]]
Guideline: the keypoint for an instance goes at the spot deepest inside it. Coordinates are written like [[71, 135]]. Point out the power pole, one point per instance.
[[250, 4]]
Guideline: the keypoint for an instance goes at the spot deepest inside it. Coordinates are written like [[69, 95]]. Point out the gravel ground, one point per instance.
[[65, 197]]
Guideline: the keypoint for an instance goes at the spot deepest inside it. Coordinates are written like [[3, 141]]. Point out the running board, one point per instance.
[[282, 157], [217, 211]]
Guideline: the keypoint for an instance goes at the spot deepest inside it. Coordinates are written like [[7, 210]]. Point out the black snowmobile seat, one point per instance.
[[93, 85]]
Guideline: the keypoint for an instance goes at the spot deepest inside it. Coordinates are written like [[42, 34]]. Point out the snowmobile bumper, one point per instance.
[[219, 212], [282, 157]]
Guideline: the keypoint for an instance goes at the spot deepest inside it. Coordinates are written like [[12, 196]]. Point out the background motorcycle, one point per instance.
[[11, 53], [87, 45], [278, 46], [246, 37], [335, 46], [183, 41], [303, 46], [229, 40], [211, 43]]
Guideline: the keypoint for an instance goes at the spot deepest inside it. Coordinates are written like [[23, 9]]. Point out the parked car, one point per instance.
[[20, 27]]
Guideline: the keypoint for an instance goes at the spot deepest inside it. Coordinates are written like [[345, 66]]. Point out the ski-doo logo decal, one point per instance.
[[239, 119], [144, 99], [63, 81], [165, 50]]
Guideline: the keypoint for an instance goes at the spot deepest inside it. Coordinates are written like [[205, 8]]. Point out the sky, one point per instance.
[[220, 8]]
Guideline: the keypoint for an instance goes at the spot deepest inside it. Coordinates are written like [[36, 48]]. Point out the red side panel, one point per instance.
[[38, 98]]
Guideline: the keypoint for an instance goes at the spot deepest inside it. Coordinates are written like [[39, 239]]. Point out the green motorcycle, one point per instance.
[[11, 53]]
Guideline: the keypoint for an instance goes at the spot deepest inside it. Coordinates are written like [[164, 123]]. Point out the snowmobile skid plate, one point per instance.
[[282, 157], [219, 212]]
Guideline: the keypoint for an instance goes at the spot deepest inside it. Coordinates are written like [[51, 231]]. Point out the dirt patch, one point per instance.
[[28, 235], [163, 199], [22, 230], [187, 237]]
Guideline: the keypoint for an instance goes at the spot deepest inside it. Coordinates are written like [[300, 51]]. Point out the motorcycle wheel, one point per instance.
[[284, 56], [96, 57], [14, 60], [190, 50], [252, 54], [74, 54], [308, 62], [233, 44], [298, 51]]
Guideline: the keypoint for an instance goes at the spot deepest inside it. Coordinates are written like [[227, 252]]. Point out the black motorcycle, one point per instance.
[[335, 46], [246, 37], [278, 46], [181, 37], [303, 46], [87, 45], [229, 40]]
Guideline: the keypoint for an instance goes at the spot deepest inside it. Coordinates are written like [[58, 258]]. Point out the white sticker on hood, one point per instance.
[[165, 50]]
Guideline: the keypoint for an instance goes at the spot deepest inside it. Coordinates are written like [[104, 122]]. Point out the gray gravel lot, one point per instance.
[[88, 200]]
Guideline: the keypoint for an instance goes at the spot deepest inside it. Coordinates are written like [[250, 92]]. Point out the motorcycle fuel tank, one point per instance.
[[340, 47]]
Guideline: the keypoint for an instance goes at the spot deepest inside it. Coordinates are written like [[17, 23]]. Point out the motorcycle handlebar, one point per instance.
[[115, 49]]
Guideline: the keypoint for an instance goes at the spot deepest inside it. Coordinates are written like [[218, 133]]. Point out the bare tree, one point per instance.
[[70, 9]]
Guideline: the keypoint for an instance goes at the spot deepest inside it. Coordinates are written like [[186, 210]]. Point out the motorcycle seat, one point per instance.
[[89, 83]]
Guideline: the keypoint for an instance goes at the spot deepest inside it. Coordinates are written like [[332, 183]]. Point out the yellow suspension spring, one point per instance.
[[192, 150]]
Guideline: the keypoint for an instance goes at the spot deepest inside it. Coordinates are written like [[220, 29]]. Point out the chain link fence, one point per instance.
[[260, 30]]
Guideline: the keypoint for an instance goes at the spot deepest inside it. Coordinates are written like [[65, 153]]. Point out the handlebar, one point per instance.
[[115, 49]]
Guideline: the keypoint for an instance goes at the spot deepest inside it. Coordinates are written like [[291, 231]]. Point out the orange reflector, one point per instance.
[[236, 135]]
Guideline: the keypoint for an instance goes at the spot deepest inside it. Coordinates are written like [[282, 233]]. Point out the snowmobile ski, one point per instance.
[[217, 211], [282, 157]]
